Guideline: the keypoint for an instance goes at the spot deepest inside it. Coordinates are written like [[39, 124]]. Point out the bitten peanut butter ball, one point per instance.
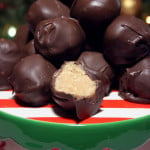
[[75, 89], [9, 56], [31, 79], [45, 9], [135, 82], [59, 39], [126, 40]]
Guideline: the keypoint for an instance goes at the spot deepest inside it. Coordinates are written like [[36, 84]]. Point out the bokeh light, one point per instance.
[[147, 19], [12, 31], [131, 7]]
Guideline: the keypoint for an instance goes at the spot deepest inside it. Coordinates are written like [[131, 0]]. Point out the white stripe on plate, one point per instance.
[[9, 94], [106, 112], [113, 96], [6, 94], [30, 112], [123, 112]]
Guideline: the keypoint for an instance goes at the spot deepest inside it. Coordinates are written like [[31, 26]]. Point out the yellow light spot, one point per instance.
[[12, 31], [129, 3], [147, 19]]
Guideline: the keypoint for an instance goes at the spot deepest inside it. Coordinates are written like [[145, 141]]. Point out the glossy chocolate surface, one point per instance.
[[59, 39], [31, 80], [83, 108], [135, 82], [9, 56], [45, 9], [127, 40], [28, 49], [95, 64], [95, 16]]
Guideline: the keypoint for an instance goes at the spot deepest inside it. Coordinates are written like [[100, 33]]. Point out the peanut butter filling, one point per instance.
[[72, 79]]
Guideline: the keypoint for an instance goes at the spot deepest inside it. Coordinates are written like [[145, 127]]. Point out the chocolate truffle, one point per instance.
[[31, 79], [94, 16], [95, 64], [76, 89], [23, 35], [126, 41], [9, 56], [45, 9], [135, 82], [59, 39], [28, 49]]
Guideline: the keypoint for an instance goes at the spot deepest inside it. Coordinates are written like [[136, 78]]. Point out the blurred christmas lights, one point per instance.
[[131, 7], [12, 31], [147, 19]]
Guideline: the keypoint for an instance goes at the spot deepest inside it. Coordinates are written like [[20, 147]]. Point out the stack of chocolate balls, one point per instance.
[[73, 52]]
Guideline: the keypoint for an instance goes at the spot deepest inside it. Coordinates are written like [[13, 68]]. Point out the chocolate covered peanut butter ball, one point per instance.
[[135, 82], [81, 85], [94, 16], [9, 56], [74, 88], [45, 9], [31, 79], [59, 39], [126, 40]]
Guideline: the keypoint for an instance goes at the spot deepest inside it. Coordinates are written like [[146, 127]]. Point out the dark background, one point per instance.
[[12, 12]]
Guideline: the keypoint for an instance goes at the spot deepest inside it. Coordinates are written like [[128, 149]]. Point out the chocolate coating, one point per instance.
[[23, 35], [28, 49], [9, 56], [94, 16], [31, 79], [95, 64], [84, 106], [59, 39], [127, 40], [135, 82], [45, 9]]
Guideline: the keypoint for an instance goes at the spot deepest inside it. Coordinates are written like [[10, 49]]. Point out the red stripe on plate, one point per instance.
[[114, 90], [102, 120], [4, 103], [93, 120], [54, 119], [122, 104], [11, 103], [8, 90], [8, 103]]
